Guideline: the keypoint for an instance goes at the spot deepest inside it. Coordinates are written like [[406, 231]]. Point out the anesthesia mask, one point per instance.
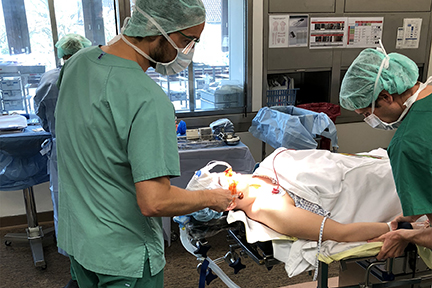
[[180, 62]]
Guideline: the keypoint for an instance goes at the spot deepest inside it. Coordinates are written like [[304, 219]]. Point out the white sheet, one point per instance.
[[353, 189], [12, 122]]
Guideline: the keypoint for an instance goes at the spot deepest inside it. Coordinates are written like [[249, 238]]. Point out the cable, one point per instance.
[[319, 248], [276, 189]]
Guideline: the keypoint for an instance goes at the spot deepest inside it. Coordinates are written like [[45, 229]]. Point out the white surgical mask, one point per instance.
[[373, 120], [180, 62], [377, 123]]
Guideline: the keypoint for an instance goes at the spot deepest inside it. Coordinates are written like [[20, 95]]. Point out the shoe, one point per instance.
[[72, 284]]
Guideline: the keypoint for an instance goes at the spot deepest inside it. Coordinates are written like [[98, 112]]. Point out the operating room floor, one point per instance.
[[17, 269]]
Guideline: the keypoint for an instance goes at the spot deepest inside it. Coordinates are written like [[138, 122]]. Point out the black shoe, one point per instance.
[[72, 284]]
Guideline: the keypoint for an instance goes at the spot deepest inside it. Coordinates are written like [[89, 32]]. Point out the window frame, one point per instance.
[[197, 118]]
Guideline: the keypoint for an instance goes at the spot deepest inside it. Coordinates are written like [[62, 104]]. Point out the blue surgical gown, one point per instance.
[[45, 102]]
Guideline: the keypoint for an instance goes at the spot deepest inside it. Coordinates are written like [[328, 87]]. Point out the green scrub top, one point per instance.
[[410, 153], [115, 127]]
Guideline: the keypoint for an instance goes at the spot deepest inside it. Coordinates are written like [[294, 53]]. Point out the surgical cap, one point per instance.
[[357, 90], [171, 15], [70, 44]]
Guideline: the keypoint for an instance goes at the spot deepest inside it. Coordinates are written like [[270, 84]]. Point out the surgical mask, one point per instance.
[[373, 120], [180, 62]]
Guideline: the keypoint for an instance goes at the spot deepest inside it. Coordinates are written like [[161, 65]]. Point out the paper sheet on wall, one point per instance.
[[411, 33], [328, 32], [298, 31], [399, 37], [364, 32], [278, 34]]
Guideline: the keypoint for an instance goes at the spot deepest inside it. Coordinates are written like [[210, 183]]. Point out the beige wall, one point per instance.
[[430, 66], [12, 202], [360, 137]]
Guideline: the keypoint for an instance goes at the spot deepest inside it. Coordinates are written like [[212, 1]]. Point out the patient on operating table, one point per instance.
[[296, 192]]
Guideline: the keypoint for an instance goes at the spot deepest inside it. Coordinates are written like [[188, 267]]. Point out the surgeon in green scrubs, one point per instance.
[[117, 148], [384, 89]]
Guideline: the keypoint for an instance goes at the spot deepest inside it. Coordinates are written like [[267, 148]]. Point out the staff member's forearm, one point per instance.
[[156, 197], [422, 237]]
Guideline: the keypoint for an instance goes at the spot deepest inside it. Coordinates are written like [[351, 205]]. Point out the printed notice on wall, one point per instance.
[[411, 33], [328, 32], [399, 37], [364, 32], [298, 31], [278, 31]]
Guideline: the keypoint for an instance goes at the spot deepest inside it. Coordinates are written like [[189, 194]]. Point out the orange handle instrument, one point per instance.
[[233, 185]]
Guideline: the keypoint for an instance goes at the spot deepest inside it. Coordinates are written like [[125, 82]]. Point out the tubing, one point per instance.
[[212, 265]]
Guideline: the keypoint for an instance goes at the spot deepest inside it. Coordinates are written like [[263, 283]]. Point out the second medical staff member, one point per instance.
[[117, 148], [384, 89], [45, 102]]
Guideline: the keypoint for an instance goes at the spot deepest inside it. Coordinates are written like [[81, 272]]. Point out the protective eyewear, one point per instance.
[[191, 44]]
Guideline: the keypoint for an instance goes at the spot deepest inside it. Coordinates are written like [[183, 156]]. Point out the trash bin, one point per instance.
[[330, 109]]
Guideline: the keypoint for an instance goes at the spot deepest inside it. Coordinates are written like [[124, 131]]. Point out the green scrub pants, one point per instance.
[[89, 279]]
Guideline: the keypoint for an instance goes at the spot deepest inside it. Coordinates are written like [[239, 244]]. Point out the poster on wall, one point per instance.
[[327, 32], [298, 31], [278, 34], [410, 33], [364, 32]]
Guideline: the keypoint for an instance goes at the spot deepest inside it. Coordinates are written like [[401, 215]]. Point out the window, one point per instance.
[[213, 84], [93, 18], [28, 33], [217, 75], [25, 50]]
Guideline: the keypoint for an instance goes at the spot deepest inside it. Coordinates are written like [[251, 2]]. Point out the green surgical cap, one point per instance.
[[171, 15], [70, 44], [357, 90]]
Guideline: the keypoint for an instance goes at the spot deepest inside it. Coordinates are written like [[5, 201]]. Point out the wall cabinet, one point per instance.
[[319, 72]]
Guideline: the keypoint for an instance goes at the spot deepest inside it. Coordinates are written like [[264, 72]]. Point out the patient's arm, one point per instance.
[[287, 219], [279, 213]]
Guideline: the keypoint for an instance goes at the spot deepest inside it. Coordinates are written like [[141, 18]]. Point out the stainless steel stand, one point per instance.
[[34, 233]]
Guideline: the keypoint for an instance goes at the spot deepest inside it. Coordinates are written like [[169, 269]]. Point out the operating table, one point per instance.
[[275, 127], [363, 272]]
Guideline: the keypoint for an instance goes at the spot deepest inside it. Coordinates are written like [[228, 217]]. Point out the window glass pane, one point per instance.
[[219, 63], [94, 19], [26, 45], [26, 51], [218, 69]]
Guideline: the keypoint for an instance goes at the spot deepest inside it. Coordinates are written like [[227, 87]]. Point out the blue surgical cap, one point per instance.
[[70, 44], [171, 15], [357, 90]]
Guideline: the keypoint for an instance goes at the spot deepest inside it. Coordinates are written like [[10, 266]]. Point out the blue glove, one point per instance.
[[181, 128]]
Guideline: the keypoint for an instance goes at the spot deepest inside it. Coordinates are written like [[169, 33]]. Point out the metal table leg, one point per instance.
[[323, 275], [34, 232]]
